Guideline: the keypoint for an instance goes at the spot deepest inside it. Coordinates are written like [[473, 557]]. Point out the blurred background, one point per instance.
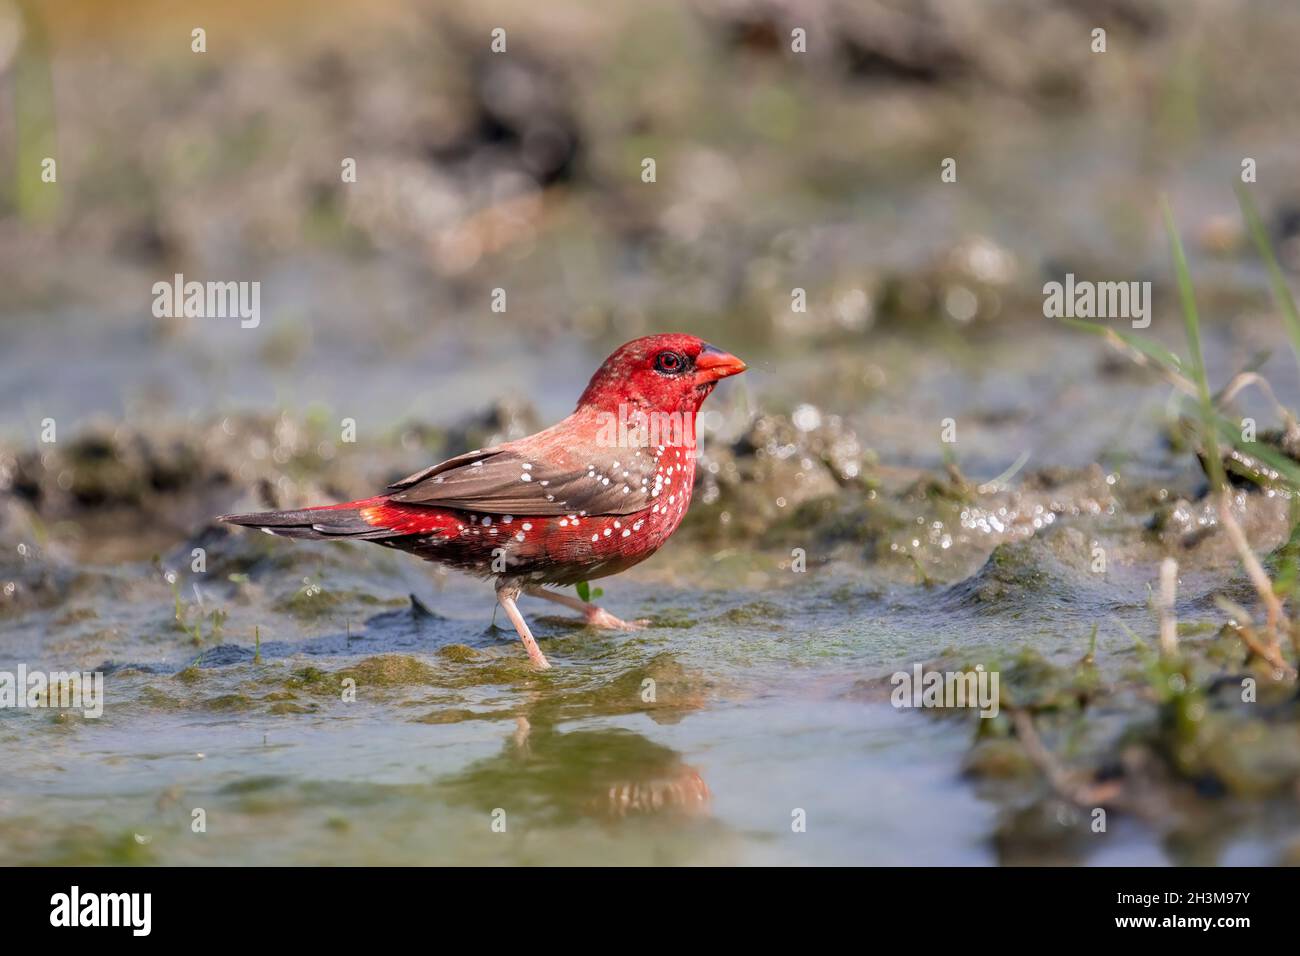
[[775, 171], [475, 171]]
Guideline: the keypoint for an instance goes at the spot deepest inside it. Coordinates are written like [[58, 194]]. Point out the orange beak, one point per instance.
[[717, 363]]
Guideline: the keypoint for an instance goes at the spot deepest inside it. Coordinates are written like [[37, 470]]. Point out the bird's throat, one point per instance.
[[631, 425]]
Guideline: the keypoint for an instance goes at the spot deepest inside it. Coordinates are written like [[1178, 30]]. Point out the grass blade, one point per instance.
[[1148, 347], [1281, 291], [1192, 325]]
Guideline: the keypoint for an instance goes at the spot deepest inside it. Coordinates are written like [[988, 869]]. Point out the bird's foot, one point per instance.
[[593, 616], [599, 617]]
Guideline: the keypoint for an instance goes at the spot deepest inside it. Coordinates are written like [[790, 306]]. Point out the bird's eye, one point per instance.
[[670, 363]]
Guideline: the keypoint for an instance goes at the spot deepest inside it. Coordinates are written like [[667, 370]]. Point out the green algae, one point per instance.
[[288, 707], [455, 715], [755, 612], [227, 702], [314, 602], [85, 846], [390, 670], [192, 674], [156, 698]]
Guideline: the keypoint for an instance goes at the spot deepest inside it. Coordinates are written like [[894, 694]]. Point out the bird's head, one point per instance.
[[659, 373]]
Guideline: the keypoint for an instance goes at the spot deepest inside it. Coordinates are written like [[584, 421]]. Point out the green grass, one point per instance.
[[1192, 327], [1214, 430]]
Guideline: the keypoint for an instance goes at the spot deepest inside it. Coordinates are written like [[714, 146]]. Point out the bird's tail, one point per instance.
[[348, 520]]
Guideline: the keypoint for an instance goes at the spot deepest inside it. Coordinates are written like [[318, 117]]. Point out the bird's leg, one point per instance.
[[506, 598], [593, 615]]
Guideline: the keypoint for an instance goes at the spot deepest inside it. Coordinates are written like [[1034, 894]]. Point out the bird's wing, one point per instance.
[[503, 480]]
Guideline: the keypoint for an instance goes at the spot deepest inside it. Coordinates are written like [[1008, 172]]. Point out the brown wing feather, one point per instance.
[[505, 481], [469, 456]]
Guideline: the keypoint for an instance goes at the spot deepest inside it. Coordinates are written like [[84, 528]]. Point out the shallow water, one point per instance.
[[763, 706]]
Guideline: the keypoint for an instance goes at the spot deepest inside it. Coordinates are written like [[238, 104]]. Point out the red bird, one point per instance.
[[588, 497]]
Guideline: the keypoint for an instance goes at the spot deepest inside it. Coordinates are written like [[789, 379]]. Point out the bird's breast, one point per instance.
[[578, 547]]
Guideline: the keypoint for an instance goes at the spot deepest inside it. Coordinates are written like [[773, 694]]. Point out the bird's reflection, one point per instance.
[[547, 774], [629, 775], [611, 774]]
